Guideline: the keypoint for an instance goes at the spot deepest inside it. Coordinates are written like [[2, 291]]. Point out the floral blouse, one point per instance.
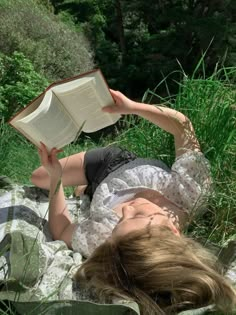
[[186, 184]]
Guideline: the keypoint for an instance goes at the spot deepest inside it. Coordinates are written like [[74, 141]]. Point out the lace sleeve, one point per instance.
[[195, 165], [191, 174], [88, 236]]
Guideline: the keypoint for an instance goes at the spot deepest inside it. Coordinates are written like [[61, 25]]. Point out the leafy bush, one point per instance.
[[19, 83], [57, 51]]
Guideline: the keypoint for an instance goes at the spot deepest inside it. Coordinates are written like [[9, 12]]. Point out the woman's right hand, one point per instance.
[[123, 105], [50, 161]]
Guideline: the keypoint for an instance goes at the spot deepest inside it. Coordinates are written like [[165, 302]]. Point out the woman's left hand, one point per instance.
[[50, 161], [122, 105]]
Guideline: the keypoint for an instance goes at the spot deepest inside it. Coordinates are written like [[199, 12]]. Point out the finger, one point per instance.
[[44, 148], [108, 109], [115, 95], [54, 155], [42, 145], [57, 150], [113, 92], [43, 154], [39, 151]]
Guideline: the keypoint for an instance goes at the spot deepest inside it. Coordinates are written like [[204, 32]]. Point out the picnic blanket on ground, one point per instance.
[[36, 269]]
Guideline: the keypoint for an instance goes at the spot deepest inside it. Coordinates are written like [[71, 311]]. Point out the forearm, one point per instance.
[[171, 121], [59, 217], [167, 119]]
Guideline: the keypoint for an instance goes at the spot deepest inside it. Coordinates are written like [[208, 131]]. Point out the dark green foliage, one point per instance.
[[137, 43], [19, 83], [56, 50]]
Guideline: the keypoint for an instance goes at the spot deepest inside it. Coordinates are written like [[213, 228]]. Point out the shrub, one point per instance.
[[56, 50], [19, 83]]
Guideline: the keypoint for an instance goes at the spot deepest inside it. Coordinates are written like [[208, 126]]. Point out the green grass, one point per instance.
[[210, 103]]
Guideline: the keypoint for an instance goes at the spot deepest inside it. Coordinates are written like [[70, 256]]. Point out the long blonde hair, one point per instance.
[[162, 272]]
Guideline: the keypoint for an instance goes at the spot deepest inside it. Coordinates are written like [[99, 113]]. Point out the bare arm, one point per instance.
[[60, 224], [173, 122], [168, 119]]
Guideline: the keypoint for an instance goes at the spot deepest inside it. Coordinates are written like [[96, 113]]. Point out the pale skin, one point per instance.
[[136, 213]]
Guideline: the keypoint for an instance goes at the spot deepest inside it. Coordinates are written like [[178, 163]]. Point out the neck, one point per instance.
[[176, 215]]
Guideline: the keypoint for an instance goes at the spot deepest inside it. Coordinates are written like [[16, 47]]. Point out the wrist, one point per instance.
[[54, 179], [135, 108], [55, 186]]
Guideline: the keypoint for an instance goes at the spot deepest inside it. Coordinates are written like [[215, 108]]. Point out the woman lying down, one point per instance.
[[133, 239]]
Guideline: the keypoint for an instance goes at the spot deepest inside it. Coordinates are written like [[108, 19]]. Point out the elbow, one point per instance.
[[65, 235], [183, 119], [61, 237], [34, 178], [187, 123], [65, 239]]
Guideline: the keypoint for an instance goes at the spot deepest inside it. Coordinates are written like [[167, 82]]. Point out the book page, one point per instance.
[[52, 125], [70, 86], [84, 103], [28, 110]]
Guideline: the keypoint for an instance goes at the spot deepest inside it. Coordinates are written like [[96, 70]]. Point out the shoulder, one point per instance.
[[191, 162], [89, 234], [191, 178]]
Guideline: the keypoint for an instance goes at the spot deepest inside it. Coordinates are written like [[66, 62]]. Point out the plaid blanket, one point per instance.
[[36, 269]]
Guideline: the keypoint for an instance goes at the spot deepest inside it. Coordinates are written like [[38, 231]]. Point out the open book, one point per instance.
[[66, 108]]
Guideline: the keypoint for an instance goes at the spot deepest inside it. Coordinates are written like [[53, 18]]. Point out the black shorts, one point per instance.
[[99, 163]]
